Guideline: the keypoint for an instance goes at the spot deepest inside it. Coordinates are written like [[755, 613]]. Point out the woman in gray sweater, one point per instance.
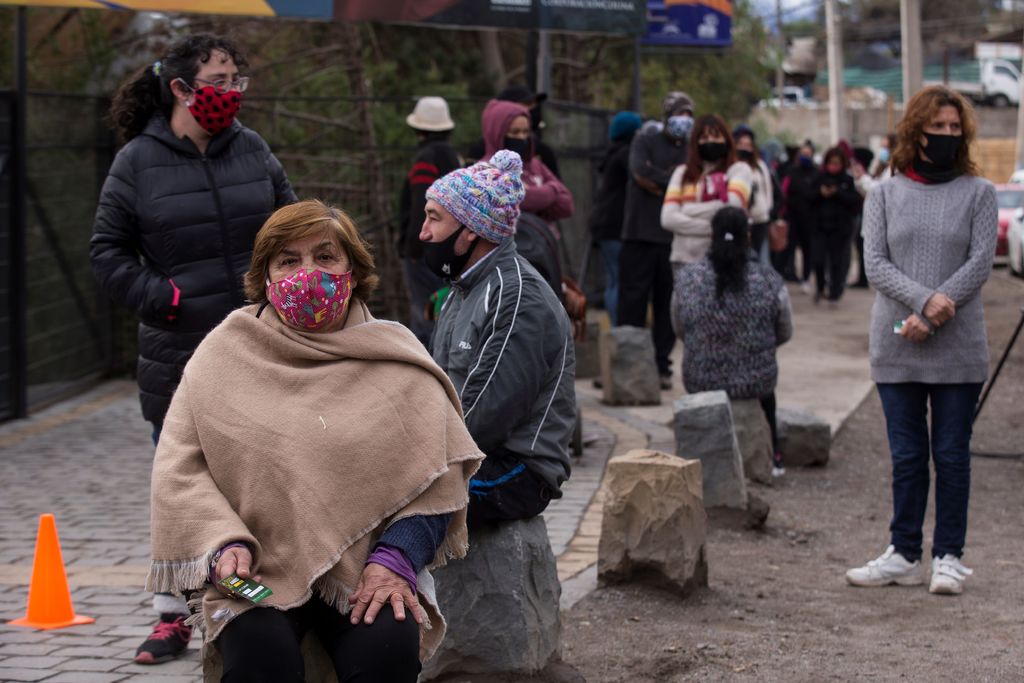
[[929, 239]]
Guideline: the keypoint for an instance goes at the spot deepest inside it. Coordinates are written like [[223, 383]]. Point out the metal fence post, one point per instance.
[[19, 133]]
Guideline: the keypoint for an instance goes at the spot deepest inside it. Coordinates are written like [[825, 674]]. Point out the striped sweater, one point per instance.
[[688, 209]]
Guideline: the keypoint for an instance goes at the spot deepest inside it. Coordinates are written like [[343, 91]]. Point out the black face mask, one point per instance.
[[942, 149], [521, 147], [744, 155], [441, 258], [712, 151]]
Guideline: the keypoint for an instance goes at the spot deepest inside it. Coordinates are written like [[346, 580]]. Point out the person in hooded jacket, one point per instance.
[[534, 102], [610, 204], [837, 204], [175, 227], [506, 125]]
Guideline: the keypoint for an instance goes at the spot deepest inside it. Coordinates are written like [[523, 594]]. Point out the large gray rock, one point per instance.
[[654, 527], [804, 438], [628, 371], [500, 602], [588, 355], [704, 431], [754, 437]]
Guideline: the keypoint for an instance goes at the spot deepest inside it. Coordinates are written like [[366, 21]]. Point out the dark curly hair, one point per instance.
[[146, 92], [730, 249]]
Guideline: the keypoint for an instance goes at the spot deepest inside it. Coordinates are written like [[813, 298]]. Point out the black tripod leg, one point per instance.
[[999, 367]]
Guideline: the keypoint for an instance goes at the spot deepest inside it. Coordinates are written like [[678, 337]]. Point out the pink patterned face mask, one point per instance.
[[311, 299]]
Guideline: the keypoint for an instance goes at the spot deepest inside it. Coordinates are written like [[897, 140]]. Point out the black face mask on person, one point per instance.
[[942, 149], [441, 258], [745, 155], [712, 151], [521, 147]]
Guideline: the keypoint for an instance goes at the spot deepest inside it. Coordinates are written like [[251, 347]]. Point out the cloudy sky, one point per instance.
[[792, 9]]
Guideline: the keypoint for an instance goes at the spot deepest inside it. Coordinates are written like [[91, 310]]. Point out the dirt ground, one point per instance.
[[778, 607]]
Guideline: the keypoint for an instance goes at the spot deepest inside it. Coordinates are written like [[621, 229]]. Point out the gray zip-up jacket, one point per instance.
[[505, 341]]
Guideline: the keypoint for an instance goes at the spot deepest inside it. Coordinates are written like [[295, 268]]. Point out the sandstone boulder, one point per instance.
[[654, 526]]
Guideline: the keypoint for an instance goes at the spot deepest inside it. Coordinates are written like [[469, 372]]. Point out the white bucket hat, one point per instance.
[[430, 114]]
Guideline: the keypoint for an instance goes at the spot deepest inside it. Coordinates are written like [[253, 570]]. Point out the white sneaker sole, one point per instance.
[[945, 589], [882, 581]]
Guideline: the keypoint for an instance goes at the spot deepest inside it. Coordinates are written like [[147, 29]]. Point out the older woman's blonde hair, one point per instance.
[[919, 112], [298, 221]]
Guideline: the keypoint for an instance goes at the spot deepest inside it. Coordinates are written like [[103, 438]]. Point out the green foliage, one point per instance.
[[725, 83]]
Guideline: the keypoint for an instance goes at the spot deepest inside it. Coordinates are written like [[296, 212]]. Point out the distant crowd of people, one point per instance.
[[305, 446]]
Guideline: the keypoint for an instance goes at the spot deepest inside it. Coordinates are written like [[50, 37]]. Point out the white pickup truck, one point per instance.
[[999, 84]]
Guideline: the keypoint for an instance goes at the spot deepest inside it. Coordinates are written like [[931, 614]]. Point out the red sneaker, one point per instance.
[[168, 640]]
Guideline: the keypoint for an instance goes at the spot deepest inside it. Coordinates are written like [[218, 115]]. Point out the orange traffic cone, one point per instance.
[[49, 598]]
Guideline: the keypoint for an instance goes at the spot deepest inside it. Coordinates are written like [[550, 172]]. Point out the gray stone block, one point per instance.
[[588, 356], [628, 370], [653, 528], [754, 437], [704, 431], [501, 604], [804, 438]]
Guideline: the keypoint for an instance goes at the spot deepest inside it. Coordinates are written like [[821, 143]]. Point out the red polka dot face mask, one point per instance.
[[213, 110]]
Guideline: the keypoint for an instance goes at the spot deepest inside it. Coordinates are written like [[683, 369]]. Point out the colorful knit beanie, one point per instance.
[[484, 197]]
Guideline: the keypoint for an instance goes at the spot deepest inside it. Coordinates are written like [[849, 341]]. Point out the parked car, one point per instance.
[[1010, 198], [1015, 243], [792, 96]]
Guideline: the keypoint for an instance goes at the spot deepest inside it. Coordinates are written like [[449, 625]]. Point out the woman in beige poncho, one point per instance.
[[319, 452]]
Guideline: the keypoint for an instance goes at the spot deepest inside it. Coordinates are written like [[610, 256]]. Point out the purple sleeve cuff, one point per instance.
[[213, 565], [395, 560]]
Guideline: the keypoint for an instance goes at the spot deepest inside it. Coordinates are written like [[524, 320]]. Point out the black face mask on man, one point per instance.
[[523, 148], [942, 149], [441, 258]]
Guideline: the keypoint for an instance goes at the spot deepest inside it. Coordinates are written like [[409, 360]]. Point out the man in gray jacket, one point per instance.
[[504, 339]]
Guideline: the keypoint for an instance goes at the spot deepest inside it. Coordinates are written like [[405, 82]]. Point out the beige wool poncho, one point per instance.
[[306, 446]]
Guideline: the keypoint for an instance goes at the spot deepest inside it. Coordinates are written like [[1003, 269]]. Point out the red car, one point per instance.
[[1010, 198]]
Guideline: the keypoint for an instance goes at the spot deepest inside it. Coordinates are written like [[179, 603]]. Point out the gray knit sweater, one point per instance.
[[920, 239]]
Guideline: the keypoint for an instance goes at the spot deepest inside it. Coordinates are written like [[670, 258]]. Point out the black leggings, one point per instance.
[[768, 406], [263, 645]]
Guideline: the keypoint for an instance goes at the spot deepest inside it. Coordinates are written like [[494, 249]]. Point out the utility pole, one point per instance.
[[835, 71], [543, 61], [1020, 121], [780, 75], [910, 32]]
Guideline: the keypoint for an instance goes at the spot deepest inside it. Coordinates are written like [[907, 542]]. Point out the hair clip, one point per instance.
[[729, 237], [157, 67]]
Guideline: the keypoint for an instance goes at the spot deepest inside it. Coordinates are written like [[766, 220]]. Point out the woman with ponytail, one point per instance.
[[175, 227], [732, 312]]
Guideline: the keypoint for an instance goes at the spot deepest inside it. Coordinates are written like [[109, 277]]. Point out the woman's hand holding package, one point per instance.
[[915, 329], [234, 560]]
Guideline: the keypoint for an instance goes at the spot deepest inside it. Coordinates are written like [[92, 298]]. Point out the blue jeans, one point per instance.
[[610, 251], [906, 420]]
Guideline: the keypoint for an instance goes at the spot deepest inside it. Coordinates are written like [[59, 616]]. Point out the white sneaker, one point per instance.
[[948, 575], [806, 287], [889, 568]]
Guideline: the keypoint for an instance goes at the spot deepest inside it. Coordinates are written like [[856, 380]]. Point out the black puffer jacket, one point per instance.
[[169, 216]]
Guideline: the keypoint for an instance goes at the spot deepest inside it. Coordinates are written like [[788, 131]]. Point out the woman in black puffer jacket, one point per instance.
[[175, 225]]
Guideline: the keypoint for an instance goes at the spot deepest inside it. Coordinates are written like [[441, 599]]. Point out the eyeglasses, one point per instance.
[[224, 85]]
